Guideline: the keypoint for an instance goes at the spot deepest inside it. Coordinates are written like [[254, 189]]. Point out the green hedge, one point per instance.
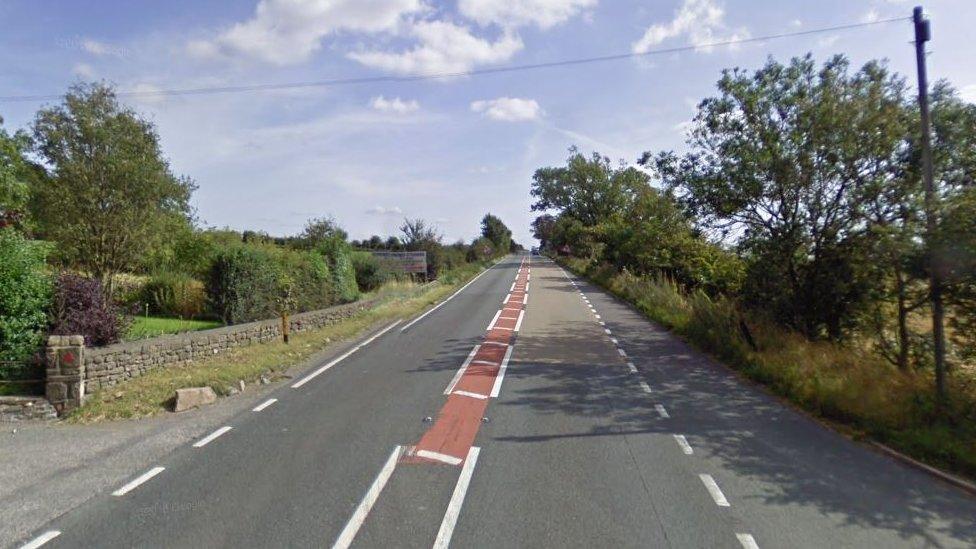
[[25, 293]]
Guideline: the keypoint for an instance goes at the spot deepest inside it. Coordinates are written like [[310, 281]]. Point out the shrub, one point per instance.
[[25, 292], [174, 294], [339, 255], [371, 272], [82, 307]]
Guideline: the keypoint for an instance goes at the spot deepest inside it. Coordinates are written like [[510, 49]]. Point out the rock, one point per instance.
[[265, 380], [193, 397], [240, 383]]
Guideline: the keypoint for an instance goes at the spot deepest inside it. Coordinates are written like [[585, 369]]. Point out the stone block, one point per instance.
[[193, 397]]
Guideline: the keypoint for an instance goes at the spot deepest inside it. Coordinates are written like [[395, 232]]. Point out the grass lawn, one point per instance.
[[151, 326], [150, 394]]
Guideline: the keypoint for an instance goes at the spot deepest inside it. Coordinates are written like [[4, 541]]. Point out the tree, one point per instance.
[[542, 228], [111, 195], [783, 162], [14, 190], [319, 230], [493, 229], [418, 235]]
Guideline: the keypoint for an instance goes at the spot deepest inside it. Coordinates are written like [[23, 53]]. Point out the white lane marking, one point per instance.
[[369, 499], [494, 319], [209, 438], [460, 372], [747, 541], [714, 490], [442, 303], [457, 499], [485, 362], [622, 352], [512, 289], [661, 411], [633, 369], [614, 340], [511, 308], [437, 456], [518, 323], [41, 539], [683, 442], [525, 299], [597, 316], [508, 318], [602, 323], [607, 330], [499, 343], [342, 357], [497, 387], [509, 296], [527, 286], [132, 485], [645, 387], [470, 394], [502, 328], [264, 405]]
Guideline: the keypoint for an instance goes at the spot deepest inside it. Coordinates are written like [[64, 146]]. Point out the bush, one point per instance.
[[339, 255], [82, 307], [371, 271], [174, 294], [25, 293]]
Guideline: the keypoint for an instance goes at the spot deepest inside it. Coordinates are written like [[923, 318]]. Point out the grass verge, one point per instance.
[[851, 388], [150, 394], [152, 326]]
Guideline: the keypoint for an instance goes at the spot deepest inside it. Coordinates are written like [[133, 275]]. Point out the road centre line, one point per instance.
[[645, 387], [442, 303], [342, 357], [494, 319], [614, 340], [622, 352], [460, 372], [443, 540], [683, 443], [661, 411], [133, 484], [747, 541], [470, 394], [499, 343], [607, 330], [369, 499], [437, 456], [714, 490], [41, 539], [485, 362], [525, 298], [264, 405], [508, 297], [497, 387], [518, 323], [210, 438], [633, 369]]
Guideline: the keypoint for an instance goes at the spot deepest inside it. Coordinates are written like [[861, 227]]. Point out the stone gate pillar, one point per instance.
[[65, 387]]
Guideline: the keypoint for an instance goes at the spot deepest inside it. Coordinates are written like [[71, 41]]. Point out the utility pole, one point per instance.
[[923, 33]]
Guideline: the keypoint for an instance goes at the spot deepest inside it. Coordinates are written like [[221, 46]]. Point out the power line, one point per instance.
[[444, 75]]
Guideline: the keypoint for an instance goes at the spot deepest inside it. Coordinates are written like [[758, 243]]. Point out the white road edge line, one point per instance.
[[133, 484], [443, 540], [494, 319], [518, 323], [714, 490], [683, 442], [461, 370], [747, 541], [342, 357], [442, 303], [264, 405], [607, 330], [525, 299], [661, 411], [470, 394], [497, 387], [369, 499], [622, 352], [645, 387], [41, 539], [507, 297], [209, 438], [633, 369], [437, 456]]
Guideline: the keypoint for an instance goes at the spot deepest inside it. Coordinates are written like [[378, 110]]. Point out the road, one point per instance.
[[531, 410]]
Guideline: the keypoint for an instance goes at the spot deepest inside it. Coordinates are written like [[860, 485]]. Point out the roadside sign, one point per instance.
[[408, 262]]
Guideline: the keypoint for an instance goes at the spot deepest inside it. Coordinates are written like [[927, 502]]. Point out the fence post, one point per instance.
[[65, 387]]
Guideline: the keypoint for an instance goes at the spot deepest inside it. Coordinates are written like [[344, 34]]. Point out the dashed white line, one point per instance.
[[597, 316], [525, 299], [747, 541], [633, 369], [714, 490], [645, 387], [264, 405], [41, 539], [607, 330], [443, 540], [470, 394], [210, 438], [437, 456], [497, 387], [460, 372], [661, 411], [507, 298], [132, 485], [683, 443], [614, 340], [369, 499], [518, 323], [494, 319], [343, 356], [622, 352]]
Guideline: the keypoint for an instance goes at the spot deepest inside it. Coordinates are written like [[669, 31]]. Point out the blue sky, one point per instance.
[[445, 150]]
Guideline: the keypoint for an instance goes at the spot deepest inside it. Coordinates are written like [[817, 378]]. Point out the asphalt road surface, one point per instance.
[[531, 410]]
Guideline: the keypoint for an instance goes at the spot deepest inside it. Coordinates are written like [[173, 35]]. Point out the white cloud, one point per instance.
[[95, 47], [381, 210], [395, 105], [703, 21], [968, 93], [513, 13], [508, 109], [285, 32], [83, 71], [444, 47]]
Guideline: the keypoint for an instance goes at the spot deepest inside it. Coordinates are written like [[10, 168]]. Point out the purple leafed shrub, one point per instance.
[[81, 307]]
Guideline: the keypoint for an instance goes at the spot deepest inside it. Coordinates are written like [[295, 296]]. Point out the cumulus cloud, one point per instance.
[[443, 47], [285, 32], [513, 13], [508, 109], [395, 105], [702, 21], [381, 210]]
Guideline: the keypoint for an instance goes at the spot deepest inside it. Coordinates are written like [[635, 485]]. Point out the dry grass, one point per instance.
[[150, 394]]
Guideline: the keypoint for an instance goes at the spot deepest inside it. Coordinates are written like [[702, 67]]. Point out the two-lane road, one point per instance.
[[531, 410]]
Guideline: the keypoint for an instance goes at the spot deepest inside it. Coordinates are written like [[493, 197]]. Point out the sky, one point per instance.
[[449, 149]]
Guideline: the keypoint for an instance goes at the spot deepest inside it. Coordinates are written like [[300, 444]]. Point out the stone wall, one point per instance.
[[17, 408], [106, 366]]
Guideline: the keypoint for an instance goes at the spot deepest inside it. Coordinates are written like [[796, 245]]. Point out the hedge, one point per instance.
[[25, 292]]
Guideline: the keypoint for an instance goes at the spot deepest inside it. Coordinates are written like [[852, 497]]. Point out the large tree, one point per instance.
[[111, 196], [495, 230], [14, 190]]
